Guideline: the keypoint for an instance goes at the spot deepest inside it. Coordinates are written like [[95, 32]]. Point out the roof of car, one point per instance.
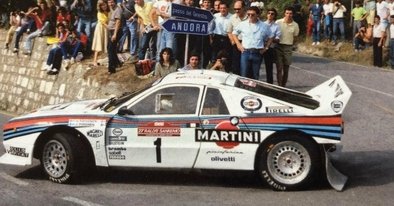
[[201, 76]]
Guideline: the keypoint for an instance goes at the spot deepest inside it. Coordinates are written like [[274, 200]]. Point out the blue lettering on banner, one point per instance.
[[186, 27]]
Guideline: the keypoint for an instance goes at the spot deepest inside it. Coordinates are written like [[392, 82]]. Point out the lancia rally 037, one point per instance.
[[190, 120]]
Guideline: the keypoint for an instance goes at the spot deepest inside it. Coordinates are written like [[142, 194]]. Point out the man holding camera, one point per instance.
[[338, 12]]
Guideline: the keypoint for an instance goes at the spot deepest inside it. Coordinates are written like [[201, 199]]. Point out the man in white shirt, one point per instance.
[[219, 38], [391, 7], [327, 8], [338, 11], [383, 11], [159, 13], [238, 17], [392, 41]]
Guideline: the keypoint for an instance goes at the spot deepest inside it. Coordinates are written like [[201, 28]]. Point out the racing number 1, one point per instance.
[[157, 143]]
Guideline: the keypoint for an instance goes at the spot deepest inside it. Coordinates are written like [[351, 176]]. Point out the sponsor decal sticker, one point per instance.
[[227, 135], [86, 122], [240, 136], [251, 103], [17, 151], [338, 88], [218, 155], [116, 153], [204, 77], [117, 139], [95, 133], [336, 106], [222, 159], [224, 152], [117, 131], [279, 109], [248, 82], [159, 129]]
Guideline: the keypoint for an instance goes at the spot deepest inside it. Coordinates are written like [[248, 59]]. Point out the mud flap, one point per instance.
[[336, 179]]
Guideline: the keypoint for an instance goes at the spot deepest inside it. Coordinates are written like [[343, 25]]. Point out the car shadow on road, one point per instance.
[[178, 177], [206, 178], [366, 168]]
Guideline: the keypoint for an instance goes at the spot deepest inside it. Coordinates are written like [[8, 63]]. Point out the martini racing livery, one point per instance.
[[199, 119]]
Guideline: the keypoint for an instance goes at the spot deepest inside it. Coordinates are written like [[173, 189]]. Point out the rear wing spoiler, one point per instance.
[[332, 94]]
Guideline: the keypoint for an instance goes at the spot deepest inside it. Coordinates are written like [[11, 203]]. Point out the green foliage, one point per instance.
[[279, 5]]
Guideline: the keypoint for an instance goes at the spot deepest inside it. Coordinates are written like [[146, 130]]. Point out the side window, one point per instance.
[[170, 100], [214, 103]]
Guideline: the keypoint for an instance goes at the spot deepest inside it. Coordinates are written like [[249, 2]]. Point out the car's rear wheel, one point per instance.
[[62, 158], [289, 163]]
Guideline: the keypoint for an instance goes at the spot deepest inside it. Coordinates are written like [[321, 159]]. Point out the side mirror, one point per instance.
[[124, 111]]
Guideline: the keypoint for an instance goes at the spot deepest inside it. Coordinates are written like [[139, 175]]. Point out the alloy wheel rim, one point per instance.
[[55, 159], [289, 162]]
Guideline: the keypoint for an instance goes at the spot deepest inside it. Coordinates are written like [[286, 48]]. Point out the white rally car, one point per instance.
[[198, 119]]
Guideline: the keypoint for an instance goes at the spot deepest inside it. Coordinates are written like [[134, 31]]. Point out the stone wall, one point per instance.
[[24, 87]]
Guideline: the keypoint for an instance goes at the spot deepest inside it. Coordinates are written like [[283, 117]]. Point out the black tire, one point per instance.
[[289, 162], [62, 158]]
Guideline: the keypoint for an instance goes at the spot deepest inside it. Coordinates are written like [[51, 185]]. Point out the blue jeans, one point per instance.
[[19, 35], [358, 43], [339, 23], [29, 39], [73, 50], [250, 63], [316, 29], [36, 33], [146, 37], [133, 36], [356, 26], [166, 41], [55, 58], [328, 27], [392, 52], [125, 35], [86, 25], [129, 30]]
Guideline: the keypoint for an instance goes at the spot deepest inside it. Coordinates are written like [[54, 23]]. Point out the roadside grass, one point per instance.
[[346, 52]]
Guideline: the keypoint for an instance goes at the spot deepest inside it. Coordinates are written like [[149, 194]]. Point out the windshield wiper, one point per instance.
[[107, 103]]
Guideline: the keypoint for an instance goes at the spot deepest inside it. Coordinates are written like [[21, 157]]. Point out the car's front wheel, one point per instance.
[[62, 158], [289, 163]]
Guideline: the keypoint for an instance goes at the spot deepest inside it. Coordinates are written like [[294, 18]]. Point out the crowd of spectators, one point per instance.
[[372, 25], [237, 42]]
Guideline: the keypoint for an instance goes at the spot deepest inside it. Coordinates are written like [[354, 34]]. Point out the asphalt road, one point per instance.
[[367, 158]]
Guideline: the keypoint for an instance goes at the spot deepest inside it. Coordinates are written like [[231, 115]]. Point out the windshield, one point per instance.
[[293, 97], [114, 102]]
